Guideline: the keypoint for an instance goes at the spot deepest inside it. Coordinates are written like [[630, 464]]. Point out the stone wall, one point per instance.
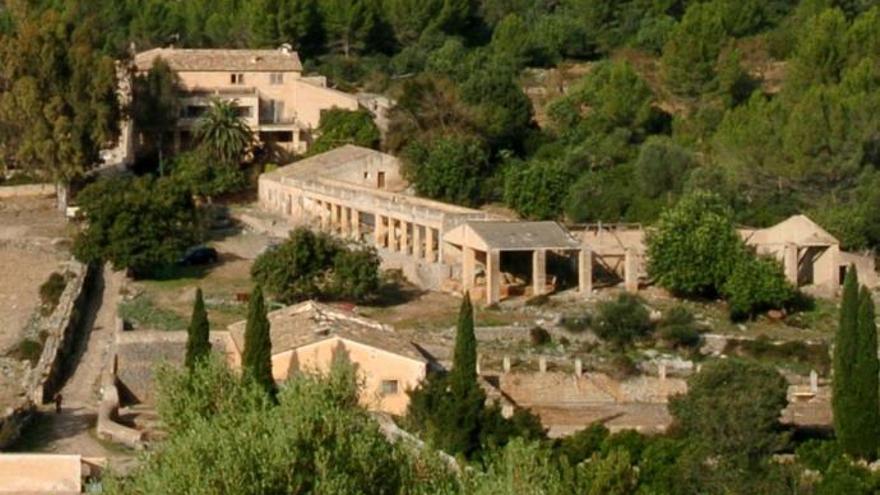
[[48, 374], [41, 382], [567, 389], [27, 190]]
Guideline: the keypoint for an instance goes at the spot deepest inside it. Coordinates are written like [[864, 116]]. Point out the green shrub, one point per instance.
[[629, 440], [315, 265], [583, 444], [678, 329], [27, 350], [538, 336], [621, 321], [622, 367], [818, 454], [50, 292], [757, 284]]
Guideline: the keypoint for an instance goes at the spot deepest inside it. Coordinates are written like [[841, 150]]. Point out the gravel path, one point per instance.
[[72, 431]]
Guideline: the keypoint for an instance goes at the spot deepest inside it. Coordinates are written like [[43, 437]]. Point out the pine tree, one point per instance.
[[198, 344], [844, 402], [257, 356]]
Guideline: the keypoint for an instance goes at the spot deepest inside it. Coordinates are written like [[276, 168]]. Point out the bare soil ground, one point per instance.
[[27, 257]]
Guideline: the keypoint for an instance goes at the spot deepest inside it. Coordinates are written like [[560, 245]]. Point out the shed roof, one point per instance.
[[310, 322], [327, 163], [797, 229], [511, 236], [208, 60]]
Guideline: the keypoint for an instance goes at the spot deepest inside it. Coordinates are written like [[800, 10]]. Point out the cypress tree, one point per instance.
[[844, 402], [462, 414], [198, 343], [866, 383], [256, 359]]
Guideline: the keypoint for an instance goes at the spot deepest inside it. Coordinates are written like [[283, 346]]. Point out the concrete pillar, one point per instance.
[[661, 371], [585, 271], [429, 244], [337, 218], [356, 224], [814, 382], [493, 277], [505, 364], [578, 367], [379, 230], [322, 213], [393, 234], [790, 263], [345, 216], [328, 212], [417, 241], [539, 271], [404, 237], [478, 363], [468, 267], [630, 271], [542, 364]]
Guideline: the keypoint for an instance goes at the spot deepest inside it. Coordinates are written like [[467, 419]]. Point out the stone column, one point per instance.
[[493, 277], [356, 224], [814, 382], [505, 364], [790, 262], [328, 212], [578, 367], [417, 241], [630, 271], [337, 219], [404, 237], [585, 271], [322, 214], [468, 267], [542, 364], [539, 271], [393, 235], [429, 244], [379, 230], [346, 221]]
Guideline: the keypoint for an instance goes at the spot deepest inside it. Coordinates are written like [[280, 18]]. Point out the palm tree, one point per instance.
[[223, 132]]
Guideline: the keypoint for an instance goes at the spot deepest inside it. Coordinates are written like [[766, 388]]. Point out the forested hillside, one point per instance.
[[774, 104]]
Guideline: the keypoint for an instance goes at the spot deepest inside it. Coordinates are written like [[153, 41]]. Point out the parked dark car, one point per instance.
[[199, 255]]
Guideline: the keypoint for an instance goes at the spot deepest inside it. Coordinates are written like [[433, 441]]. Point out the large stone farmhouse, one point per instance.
[[307, 337], [269, 90], [360, 194]]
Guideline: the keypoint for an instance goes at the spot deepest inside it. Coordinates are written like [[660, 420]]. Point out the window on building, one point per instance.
[[243, 112], [380, 180], [236, 78], [389, 387], [276, 136], [276, 78]]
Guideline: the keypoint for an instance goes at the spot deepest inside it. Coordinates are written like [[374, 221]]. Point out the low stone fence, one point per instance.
[[567, 389], [47, 375], [27, 190]]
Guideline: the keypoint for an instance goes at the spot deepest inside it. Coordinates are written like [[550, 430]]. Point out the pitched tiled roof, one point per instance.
[[204, 60], [307, 323], [512, 235]]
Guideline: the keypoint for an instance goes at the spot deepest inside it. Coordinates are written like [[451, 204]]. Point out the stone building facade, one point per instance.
[[267, 86]]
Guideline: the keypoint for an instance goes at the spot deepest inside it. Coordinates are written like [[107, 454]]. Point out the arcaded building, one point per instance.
[[360, 194]]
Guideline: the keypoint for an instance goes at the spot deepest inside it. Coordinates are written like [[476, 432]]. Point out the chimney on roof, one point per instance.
[[285, 48]]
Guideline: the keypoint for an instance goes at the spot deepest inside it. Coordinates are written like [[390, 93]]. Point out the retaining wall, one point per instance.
[[42, 381], [27, 190]]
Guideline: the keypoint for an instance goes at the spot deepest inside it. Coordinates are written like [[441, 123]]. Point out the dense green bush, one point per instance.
[[581, 445], [50, 292], [316, 265], [694, 247], [539, 337], [143, 224], [340, 127], [622, 320], [678, 329], [755, 285]]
